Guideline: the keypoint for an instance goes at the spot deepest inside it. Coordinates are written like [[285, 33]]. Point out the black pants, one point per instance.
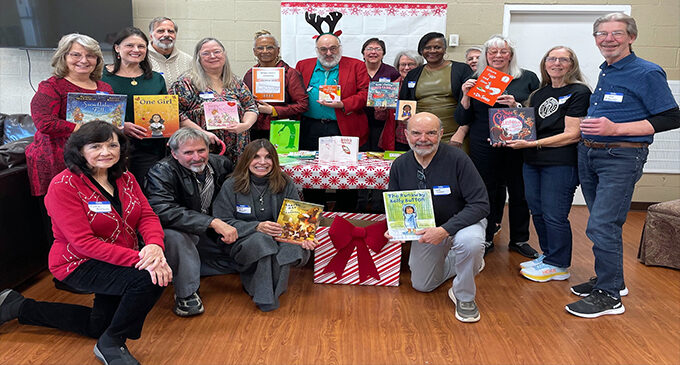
[[312, 129], [123, 298], [144, 155], [503, 166]]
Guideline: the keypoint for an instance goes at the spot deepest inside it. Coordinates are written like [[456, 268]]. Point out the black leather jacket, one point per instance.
[[173, 193]]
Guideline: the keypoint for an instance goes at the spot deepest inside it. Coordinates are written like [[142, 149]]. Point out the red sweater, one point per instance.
[[296, 98], [45, 155], [353, 79], [81, 234]]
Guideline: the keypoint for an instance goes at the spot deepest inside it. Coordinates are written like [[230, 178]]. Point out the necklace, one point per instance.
[[261, 195], [133, 82]]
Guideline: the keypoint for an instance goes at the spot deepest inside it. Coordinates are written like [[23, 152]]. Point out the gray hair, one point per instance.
[[499, 41], [473, 48], [265, 34], [60, 68], [629, 21], [410, 54], [187, 134], [197, 74], [160, 19]]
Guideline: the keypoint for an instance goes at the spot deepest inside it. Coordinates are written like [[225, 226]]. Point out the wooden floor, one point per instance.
[[522, 322]]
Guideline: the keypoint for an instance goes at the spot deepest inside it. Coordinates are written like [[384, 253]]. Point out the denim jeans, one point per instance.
[[608, 177], [550, 191], [123, 297]]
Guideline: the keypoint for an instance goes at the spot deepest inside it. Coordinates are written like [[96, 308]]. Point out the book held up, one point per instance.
[[269, 84], [407, 212], [509, 124], [84, 107], [159, 114], [329, 93], [382, 94], [220, 114], [490, 85], [299, 221]]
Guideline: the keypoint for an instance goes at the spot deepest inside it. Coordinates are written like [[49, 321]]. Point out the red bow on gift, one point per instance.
[[345, 237]]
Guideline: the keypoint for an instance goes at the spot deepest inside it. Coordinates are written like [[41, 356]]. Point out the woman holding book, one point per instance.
[[130, 74], [498, 165], [211, 80], [266, 50], [436, 85], [98, 211], [250, 201], [550, 173], [77, 68]]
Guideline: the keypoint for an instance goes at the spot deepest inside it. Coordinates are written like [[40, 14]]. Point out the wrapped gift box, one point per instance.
[[339, 150], [387, 260]]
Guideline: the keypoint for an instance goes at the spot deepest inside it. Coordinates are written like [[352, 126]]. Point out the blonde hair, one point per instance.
[[573, 76], [59, 65], [197, 74]]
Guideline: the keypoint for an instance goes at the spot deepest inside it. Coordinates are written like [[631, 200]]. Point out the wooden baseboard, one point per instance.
[[640, 205]]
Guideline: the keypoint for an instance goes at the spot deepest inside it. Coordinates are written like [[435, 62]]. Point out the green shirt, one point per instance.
[[124, 86]]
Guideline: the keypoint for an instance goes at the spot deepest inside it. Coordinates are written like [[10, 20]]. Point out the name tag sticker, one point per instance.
[[563, 99], [411, 84], [310, 88], [243, 209], [441, 190], [99, 207], [102, 93], [207, 95], [613, 97], [384, 79]]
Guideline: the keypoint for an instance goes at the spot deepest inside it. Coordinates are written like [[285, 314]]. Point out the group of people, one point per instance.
[[128, 220]]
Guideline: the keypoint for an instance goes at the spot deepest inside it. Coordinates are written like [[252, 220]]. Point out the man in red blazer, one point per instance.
[[329, 118]]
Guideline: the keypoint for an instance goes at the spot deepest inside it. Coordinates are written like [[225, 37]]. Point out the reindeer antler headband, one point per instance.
[[331, 19]]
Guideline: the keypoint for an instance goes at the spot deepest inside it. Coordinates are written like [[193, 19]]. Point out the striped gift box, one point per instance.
[[387, 261]]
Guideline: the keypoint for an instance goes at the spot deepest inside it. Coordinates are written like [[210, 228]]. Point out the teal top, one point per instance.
[[124, 86], [320, 76]]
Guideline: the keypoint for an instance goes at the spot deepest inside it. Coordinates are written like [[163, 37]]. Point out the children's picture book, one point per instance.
[[490, 84], [381, 93], [339, 150], [407, 212], [83, 107], [329, 93], [508, 124], [284, 134], [299, 221], [220, 114], [159, 114], [269, 84], [405, 109]]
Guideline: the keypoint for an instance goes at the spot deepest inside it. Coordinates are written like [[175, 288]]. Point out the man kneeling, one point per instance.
[[181, 189], [456, 246]]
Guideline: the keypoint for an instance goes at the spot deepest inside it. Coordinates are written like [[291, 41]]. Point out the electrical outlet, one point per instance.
[[453, 40]]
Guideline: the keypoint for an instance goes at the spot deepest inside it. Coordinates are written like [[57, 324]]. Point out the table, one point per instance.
[[369, 173]]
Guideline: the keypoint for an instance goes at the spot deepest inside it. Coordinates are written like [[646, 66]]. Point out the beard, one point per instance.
[[422, 149], [332, 63], [159, 44], [197, 168]]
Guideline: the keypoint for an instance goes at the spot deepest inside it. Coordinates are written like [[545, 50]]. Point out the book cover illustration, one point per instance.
[[508, 124], [284, 134], [407, 212], [269, 84], [299, 221], [405, 109], [339, 149], [82, 108], [329, 93], [159, 114], [382, 94], [220, 114], [490, 85]]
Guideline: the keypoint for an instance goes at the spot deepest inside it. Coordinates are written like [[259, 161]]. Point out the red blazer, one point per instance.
[[296, 98], [81, 234], [353, 79]]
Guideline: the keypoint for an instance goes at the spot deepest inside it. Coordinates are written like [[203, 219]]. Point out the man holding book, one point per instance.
[[181, 190], [455, 247]]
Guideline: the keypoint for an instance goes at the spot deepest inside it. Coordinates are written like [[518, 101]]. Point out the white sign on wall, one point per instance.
[[400, 25]]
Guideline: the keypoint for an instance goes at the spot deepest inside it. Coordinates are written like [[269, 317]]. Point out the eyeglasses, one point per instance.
[[433, 48], [618, 34], [422, 183], [373, 49], [216, 53], [417, 134], [78, 56], [558, 59], [410, 64], [333, 49], [502, 51], [268, 48]]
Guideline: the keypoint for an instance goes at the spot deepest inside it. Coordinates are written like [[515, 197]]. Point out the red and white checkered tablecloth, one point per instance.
[[369, 173]]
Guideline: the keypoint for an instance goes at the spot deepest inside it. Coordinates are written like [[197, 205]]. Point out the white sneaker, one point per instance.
[[532, 263]]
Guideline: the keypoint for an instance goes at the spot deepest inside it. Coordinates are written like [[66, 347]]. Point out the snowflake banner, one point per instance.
[[400, 25]]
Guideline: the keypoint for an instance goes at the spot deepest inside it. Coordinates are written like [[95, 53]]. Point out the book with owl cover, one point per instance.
[[159, 114]]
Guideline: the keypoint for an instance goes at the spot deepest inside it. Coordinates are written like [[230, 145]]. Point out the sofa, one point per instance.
[[24, 242]]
